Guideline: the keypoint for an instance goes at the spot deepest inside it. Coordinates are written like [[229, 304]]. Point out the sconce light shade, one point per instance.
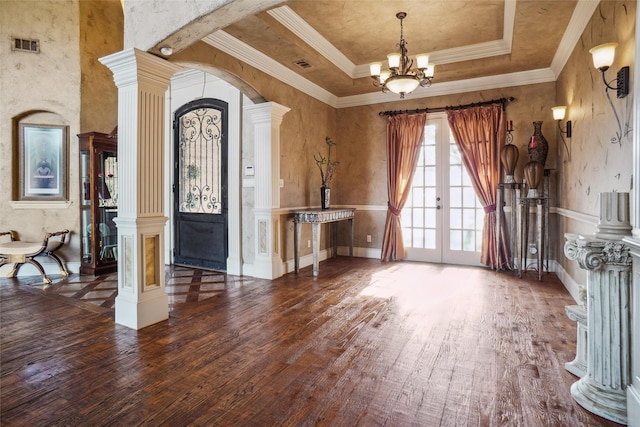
[[559, 112], [603, 55]]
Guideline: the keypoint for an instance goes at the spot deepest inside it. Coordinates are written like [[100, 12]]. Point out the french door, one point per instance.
[[442, 219]]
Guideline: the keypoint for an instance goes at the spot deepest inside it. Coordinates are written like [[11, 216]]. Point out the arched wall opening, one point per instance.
[[199, 81]]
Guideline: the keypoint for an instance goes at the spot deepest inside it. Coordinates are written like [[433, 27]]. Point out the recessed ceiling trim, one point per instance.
[[579, 19], [542, 75], [294, 23], [291, 20], [228, 44], [457, 54]]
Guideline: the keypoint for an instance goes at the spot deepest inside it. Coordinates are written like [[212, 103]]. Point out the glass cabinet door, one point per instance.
[[85, 206], [107, 183], [98, 202]]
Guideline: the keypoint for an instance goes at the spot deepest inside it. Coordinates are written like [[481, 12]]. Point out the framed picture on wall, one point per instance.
[[43, 162]]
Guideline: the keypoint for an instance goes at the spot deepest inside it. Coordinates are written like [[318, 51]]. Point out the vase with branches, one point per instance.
[[327, 167]]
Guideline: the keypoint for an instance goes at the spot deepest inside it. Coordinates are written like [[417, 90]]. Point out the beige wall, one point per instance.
[[38, 88], [48, 88], [360, 133], [362, 178], [596, 164], [87, 100], [100, 35]]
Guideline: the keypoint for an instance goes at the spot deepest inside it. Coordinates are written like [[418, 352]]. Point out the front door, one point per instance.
[[443, 218], [200, 189]]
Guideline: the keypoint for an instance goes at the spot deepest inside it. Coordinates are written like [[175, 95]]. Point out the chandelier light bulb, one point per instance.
[[428, 72], [423, 61], [394, 60], [375, 68]]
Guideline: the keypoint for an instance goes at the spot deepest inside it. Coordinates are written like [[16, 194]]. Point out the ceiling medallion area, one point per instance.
[[400, 78]]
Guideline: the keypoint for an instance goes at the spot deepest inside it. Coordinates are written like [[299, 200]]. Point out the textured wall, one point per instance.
[[47, 88], [360, 134], [39, 88], [303, 129], [362, 177], [597, 165], [100, 35]]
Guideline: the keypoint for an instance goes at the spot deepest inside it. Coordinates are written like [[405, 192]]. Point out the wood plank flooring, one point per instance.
[[366, 343]]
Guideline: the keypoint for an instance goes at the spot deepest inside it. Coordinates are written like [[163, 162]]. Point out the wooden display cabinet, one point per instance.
[[98, 202]]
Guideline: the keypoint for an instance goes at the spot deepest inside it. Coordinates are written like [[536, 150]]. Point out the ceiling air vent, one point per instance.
[[302, 63], [25, 45]]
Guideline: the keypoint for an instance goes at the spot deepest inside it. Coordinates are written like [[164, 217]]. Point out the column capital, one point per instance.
[[266, 112], [132, 66], [593, 254]]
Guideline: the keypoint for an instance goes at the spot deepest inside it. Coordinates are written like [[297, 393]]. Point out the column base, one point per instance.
[[578, 366], [138, 314], [605, 402]]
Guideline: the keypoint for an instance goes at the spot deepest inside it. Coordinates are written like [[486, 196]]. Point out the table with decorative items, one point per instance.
[[317, 217]]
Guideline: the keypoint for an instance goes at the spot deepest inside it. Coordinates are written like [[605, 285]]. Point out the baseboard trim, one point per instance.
[[569, 283]]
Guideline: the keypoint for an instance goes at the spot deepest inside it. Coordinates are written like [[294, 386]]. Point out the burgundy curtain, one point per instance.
[[404, 138], [479, 135]]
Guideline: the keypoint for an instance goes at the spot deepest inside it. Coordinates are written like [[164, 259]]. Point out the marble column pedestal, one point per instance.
[[602, 390]]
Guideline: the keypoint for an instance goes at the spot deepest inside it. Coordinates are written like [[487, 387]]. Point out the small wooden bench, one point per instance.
[[17, 252]]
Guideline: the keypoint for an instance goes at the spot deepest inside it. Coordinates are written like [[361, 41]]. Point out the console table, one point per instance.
[[316, 217]]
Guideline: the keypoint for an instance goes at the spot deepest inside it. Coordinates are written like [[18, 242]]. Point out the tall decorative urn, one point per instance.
[[538, 147]]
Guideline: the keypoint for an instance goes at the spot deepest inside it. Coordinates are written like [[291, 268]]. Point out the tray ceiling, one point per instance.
[[324, 46]]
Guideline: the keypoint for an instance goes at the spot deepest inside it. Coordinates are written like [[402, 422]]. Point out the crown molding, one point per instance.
[[245, 53], [292, 21], [579, 19], [240, 50], [542, 75]]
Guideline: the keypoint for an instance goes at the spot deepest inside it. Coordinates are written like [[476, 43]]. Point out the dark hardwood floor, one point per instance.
[[366, 343]]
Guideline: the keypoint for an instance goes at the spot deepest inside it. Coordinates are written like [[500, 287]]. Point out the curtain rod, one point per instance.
[[502, 101]]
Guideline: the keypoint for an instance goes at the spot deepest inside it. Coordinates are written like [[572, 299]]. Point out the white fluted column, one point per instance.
[[142, 80], [608, 262], [266, 119]]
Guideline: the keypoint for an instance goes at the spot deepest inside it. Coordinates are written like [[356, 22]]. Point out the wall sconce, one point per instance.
[[558, 114], [603, 56]]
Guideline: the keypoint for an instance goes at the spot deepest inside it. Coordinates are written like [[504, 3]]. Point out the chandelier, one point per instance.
[[400, 78]]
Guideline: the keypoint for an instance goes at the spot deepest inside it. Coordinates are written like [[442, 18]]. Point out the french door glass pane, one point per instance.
[[419, 217], [465, 236]]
